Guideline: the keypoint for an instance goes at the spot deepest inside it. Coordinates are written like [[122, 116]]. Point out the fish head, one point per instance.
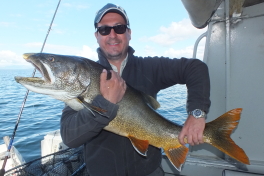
[[63, 77]]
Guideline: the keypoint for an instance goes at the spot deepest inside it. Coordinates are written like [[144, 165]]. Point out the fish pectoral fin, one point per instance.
[[177, 156], [141, 146], [90, 107], [151, 101]]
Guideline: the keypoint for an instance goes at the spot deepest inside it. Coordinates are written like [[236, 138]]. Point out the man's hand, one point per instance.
[[193, 130], [113, 89]]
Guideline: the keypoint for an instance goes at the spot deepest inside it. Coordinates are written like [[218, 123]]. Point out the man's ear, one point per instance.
[[96, 36], [129, 32]]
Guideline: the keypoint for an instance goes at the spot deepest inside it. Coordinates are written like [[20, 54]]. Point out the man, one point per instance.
[[107, 153]]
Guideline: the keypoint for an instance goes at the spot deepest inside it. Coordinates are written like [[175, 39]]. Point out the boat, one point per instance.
[[14, 156], [234, 53]]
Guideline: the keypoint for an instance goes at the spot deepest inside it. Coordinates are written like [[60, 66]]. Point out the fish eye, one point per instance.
[[51, 59]]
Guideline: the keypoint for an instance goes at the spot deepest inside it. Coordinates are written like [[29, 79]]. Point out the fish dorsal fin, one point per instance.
[[141, 146], [177, 156], [151, 101]]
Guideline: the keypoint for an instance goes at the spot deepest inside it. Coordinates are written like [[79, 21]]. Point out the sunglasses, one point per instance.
[[105, 30]]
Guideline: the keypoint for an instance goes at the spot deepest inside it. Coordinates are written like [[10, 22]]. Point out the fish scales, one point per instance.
[[76, 81]]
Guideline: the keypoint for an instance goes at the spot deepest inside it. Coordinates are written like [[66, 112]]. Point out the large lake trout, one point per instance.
[[76, 81]]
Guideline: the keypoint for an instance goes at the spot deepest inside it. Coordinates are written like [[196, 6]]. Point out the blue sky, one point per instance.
[[159, 28]]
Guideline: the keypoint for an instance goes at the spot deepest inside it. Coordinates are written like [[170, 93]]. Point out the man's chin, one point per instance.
[[114, 56]]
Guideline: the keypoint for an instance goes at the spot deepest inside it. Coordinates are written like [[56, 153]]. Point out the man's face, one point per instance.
[[113, 45]]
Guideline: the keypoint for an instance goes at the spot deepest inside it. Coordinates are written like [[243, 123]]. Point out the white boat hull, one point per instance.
[[14, 157]]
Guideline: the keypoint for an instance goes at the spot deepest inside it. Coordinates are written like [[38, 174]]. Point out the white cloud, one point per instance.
[[10, 59], [186, 52], [88, 53], [85, 51], [51, 48], [6, 24], [16, 15], [175, 52], [150, 51], [177, 31]]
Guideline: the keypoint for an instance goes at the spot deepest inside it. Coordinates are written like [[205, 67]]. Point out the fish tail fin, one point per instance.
[[177, 156], [222, 127]]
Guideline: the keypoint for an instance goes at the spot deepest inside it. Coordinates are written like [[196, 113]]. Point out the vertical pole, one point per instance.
[[227, 54]]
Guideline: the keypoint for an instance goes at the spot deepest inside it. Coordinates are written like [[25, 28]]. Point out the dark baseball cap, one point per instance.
[[110, 8]]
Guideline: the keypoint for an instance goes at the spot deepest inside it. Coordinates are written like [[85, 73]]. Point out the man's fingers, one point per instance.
[[103, 75], [181, 138], [112, 89], [191, 137], [108, 75], [200, 138], [194, 139], [190, 140]]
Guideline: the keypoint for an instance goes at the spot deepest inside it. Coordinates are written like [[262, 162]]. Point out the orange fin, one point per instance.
[[218, 132], [141, 146], [177, 156]]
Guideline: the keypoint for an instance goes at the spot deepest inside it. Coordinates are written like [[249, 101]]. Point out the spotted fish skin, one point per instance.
[[76, 81]]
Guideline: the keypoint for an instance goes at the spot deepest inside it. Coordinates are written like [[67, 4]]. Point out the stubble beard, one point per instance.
[[116, 55]]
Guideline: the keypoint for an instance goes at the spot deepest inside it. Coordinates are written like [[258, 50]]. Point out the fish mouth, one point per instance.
[[39, 66], [44, 84]]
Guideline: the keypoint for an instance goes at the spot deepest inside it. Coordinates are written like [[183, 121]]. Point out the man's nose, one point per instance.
[[112, 33]]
